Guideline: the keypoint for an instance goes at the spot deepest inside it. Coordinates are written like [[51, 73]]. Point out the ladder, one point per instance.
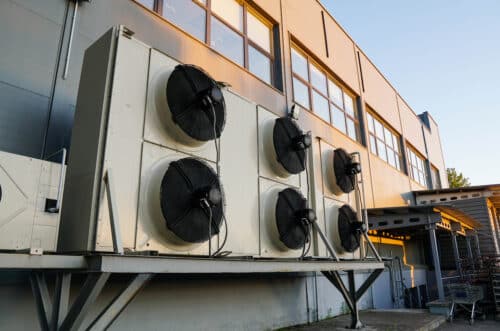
[[398, 282], [495, 285]]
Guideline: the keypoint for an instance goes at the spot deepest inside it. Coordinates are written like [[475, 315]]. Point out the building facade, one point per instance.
[[267, 53]]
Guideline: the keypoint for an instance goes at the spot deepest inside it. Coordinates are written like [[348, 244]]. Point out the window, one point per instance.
[[436, 180], [314, 89], [416, 167], [231, 27], [384, 142]]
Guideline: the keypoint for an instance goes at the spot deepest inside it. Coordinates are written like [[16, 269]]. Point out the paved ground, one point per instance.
[[382, 320], [461, 324]]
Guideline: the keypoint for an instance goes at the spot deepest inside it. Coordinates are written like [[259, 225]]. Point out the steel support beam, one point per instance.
[[437, 263], [355, 322], [60, 300], [118, 304], [351, 295], [88, 294], [113, 213], [456, 253], [42, 299]]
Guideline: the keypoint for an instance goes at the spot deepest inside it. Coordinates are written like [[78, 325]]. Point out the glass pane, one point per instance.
[[299, 64], [351, 129], [230, 10], [148, 3], [349, 104], [335, 94], [381, 149], [320, 106], [391, 157], [300, 93], [395, 143], [369, 118], [414, 173], [388, 137], [187, 15], [318, 79], [259, 64], [398, 162], [259, 32], [226, 41], [373, 145], [338, 119], [379, 129], [422, 178]]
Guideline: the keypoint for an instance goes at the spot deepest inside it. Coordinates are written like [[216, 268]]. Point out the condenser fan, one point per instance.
[[345, 169], [290, 145], [193, 98], [190, 198], [293, 218], [350, 229]]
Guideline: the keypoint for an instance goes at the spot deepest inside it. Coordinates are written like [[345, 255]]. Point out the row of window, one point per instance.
[[230, 27], [240, 33]]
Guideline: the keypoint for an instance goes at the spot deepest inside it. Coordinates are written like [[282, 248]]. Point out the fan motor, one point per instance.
[[194, 98], [293, 218], [191, 200], [290, 145]]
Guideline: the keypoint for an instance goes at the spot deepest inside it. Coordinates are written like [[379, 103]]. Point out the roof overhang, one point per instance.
[[491, 191], [407, 219]]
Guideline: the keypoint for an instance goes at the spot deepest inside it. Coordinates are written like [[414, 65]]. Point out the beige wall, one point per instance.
[[301, 20]]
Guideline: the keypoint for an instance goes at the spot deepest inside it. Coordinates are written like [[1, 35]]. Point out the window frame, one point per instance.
[[376, 139], [310, 61], [247, 42], [411, 166]]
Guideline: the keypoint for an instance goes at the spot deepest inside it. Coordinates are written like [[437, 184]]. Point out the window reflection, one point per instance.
[[227, 41], [187, 15]]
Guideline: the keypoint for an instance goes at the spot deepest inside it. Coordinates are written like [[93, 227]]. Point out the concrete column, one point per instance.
[[456, 253], [437, 263]]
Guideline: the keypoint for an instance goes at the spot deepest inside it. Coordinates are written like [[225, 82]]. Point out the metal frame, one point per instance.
[[56, 313], [351, 295]]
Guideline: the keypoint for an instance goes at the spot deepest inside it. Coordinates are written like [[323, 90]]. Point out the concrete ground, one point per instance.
[[382, 320], [461, 324]]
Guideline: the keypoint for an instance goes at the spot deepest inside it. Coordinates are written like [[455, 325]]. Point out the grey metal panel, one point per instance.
[[478, 209], [139, 264], [9, 261], [29, 35], [23, 117], [78, 215]]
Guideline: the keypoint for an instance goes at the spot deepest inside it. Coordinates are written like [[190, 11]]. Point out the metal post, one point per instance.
[[60, 301], [470, 256], [113, 310], [325, 241], [437, 264], [355, 321], [113, 214], [476, 245], [456, 253], [70, 41]]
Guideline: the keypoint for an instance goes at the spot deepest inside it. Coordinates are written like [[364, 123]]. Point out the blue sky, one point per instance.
[[443, 57]]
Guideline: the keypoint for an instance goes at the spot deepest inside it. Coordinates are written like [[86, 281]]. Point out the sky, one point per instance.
[[443, 56]]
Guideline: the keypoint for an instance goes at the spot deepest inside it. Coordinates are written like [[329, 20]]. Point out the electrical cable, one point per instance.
[[218, 252], [308, 226]]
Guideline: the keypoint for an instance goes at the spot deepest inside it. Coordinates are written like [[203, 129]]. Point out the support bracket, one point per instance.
[[351, 295]]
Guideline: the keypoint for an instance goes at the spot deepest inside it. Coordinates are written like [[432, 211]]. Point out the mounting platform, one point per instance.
[[56, 313]]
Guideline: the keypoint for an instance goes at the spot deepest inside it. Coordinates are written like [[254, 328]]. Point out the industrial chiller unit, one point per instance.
[[172, 172]]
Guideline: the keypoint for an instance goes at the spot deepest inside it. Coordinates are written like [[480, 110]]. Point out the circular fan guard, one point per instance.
[[349, 228], [345, 170], [290, 144], [190, 198], [191, 94], [293, 218]]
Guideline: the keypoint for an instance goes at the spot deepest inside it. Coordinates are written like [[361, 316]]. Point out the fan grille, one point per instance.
[[182, 189], [191, 93]]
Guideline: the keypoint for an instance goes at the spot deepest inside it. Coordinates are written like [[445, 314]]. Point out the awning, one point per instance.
[[407, 219]]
